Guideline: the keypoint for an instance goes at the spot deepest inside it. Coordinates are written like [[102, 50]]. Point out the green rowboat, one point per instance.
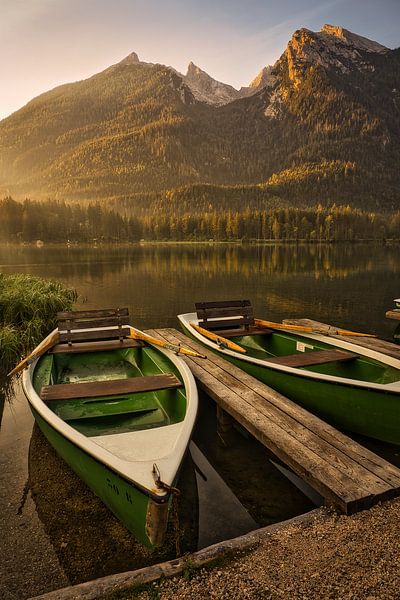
[[120, 412], [351, 387]]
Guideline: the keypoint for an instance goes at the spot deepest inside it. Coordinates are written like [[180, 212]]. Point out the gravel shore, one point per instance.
[[336, 557]]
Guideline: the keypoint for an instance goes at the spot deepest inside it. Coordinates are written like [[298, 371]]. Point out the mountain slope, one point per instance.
[[321, 126]]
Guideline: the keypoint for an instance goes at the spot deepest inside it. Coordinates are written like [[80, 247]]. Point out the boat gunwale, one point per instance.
[[392, 388], [100, 453]]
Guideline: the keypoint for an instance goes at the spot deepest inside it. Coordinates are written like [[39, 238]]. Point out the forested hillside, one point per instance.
[[325, 129]]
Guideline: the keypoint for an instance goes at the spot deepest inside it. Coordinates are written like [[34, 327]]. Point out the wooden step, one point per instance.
[[115, 387]]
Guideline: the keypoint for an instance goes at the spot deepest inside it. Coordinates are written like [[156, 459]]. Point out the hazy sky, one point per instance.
[[44, 43]]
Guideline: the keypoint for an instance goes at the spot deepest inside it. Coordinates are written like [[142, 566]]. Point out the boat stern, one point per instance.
[[156, 522]]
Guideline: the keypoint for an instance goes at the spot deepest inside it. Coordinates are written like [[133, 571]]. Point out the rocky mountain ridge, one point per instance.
[[321, 125]]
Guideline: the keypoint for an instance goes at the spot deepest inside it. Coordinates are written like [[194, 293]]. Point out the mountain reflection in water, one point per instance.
[[348, 285]]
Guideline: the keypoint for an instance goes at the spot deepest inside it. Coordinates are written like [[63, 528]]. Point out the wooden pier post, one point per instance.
[[224, 427]]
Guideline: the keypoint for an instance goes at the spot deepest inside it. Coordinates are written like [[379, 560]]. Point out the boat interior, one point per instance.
[[234, 320], [101, 382]]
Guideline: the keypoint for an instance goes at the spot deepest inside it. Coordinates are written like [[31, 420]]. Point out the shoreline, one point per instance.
[[319, 555], [256, 242]]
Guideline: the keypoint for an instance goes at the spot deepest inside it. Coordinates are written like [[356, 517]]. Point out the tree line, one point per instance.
[[55, 221]]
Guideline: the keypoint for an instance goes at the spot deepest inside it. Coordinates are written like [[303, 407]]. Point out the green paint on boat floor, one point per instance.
[[112, 414]]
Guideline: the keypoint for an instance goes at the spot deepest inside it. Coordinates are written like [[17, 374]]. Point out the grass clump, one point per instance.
[[28, 312]]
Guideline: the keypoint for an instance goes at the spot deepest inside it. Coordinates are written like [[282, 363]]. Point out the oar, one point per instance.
[[299, 328], [218, 338], [305, 329], [330, 330], [353, 333], [51, 340], [136, 334]]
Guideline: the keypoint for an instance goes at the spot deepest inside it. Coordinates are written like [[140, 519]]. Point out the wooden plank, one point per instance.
[[368, 476], [80, 323], [223, 323], [393, 314], [229, 311], [87, 314], [94, 334], [307, 359], [99, 346], [228, 333], [116, 387]]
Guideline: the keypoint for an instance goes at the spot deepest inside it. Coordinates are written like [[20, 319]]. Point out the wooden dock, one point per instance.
[[348, 476]]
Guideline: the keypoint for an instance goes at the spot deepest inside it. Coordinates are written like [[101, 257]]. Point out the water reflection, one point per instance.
[[349, 285]]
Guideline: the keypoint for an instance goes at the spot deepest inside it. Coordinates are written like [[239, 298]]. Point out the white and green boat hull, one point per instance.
[[360, 395]]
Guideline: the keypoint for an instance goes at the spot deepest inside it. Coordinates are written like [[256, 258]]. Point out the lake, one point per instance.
[[347, 285]]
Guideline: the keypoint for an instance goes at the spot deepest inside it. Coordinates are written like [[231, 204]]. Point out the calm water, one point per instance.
[[347, 285]]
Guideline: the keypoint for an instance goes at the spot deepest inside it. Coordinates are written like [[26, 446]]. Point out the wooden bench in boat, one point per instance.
[[230, 333], [229, 318], [307, 359], [115, 387], [96, 346], [82, 331]]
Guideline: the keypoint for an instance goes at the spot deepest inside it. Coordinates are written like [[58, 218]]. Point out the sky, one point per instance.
[[44, 43]]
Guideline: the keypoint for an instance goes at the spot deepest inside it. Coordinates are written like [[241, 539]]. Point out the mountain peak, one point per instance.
[[353, 39], [206, 89], [331, 48], [262, 79], [131, 59], [194, 70]]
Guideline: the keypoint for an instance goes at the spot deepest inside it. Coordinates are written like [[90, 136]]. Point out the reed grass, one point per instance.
[[28, 312]]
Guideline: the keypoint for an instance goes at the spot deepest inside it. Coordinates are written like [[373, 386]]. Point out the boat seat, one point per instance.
[[225, 314], [95, 346], [115, 387], [318, 357], [237, 332], [91, 325]]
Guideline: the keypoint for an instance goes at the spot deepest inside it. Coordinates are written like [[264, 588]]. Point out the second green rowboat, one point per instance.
[[349, 386]]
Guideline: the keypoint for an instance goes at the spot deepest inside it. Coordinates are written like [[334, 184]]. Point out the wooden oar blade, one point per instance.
[[48, 342], [218, 339], [284, 326], [355, 333], [322, 330], [140, 335]]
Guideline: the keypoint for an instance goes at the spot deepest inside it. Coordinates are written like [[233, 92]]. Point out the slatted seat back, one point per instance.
[[82, 325], [225, 314]]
